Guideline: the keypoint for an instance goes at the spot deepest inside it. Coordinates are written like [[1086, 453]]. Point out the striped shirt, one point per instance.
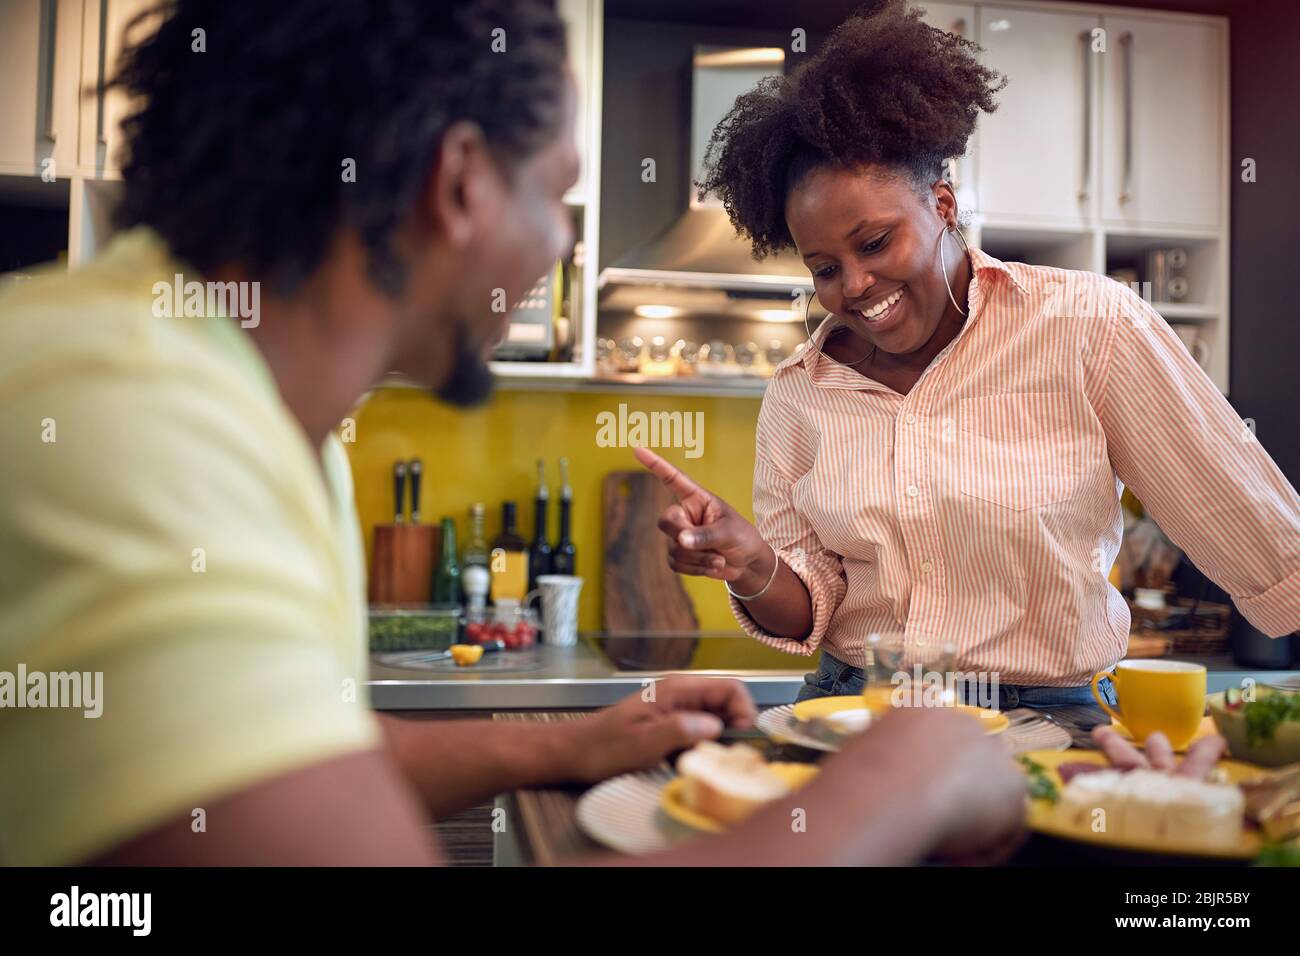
[[982, 508]]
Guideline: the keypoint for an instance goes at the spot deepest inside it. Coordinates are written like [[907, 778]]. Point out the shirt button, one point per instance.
[[913, 491], [911, 419], [926, 567]]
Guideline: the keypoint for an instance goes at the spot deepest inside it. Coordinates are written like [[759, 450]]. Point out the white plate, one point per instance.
[[850, 721], [780, 724], [623, 813]]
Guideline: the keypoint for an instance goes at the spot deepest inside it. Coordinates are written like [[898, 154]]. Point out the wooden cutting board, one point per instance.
[[642, 595], [401, 571]]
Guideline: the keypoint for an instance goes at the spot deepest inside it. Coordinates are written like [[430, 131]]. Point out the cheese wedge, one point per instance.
[[1152, 807], [725, 783]]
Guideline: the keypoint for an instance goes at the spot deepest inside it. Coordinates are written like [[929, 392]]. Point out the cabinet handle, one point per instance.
[[103, 56], [1126, 43], [1085, 183], [49, 28]]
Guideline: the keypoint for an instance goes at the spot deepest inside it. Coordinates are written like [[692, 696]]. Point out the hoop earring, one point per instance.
[[807, 303], [944, 264]]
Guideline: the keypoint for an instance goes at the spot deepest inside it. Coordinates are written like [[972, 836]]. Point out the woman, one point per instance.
[[945, 457]]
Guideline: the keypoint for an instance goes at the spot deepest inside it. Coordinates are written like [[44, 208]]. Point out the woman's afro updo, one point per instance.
[[885, 89]]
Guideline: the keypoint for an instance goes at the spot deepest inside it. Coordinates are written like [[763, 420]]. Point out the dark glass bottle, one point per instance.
[[509, 559], [539, 555], [564, 559], [446, 577]]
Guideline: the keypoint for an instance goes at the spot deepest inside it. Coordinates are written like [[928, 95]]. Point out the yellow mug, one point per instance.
[[1168, 696]]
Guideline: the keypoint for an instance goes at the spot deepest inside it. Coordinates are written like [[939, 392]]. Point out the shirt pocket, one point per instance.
[[1020, 451]]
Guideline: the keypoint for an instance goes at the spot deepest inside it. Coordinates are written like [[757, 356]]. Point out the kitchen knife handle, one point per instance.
[[399, 491], [415, 468]]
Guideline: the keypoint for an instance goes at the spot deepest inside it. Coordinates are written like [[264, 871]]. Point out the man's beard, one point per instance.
[[470, 382]]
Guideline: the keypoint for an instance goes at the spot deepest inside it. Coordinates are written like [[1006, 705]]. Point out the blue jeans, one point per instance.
[[834, 678]]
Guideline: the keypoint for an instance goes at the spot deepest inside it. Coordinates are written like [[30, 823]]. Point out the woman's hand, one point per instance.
[[1202, 754], [706, 535]]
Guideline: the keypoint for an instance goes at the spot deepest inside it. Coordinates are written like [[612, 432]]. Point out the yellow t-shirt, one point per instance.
[[164, 522]]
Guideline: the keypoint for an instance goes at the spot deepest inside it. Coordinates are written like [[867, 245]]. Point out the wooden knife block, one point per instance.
[[402, 569]]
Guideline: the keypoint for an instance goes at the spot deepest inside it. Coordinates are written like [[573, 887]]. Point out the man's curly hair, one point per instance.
[[236, 154], [885, 89]]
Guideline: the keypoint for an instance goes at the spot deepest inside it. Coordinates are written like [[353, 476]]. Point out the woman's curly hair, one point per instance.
[[885, 89], [235, 154]]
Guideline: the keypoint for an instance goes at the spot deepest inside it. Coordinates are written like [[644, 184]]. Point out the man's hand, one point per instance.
[[1202, 755], [670, 714], [965, 796]]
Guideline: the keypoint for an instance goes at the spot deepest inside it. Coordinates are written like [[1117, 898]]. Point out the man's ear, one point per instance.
[[461, 183]]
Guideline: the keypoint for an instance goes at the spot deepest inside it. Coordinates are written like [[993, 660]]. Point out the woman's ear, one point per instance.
[[945, 203]]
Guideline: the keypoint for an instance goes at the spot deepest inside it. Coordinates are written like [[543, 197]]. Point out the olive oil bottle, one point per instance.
[[509, 558]]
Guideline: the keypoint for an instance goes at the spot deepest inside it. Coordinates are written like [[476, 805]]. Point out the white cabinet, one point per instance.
[[106, 21], [584, 24], [1037, 159], [40, 69], [1164, 136], [580, 24], [958, 18]]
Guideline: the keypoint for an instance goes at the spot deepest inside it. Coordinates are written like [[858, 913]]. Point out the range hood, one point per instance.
[[701, 250]]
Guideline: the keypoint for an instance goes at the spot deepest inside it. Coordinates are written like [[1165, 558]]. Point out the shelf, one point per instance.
[[1186, 311], [743, 386], [747, 387], [540, 370], [1171, 233], [1028, 230]]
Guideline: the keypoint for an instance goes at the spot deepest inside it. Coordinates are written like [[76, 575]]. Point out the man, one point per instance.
[[329, 191]]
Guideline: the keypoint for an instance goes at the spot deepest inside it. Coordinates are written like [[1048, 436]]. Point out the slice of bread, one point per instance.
[[725, 783]]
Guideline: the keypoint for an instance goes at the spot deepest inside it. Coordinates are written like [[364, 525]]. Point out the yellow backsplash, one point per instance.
[[490, 455]]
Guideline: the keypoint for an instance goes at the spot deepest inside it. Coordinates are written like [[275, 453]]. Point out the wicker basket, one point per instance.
[[1199, 627]]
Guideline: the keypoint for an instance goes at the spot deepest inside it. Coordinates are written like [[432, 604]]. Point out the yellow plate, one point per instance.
[[994, 721], [670, 798], [1047, 817], [1207, 729]]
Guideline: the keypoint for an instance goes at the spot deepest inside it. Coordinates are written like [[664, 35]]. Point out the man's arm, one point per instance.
[[454, 764], [352, 810], [923, 782]]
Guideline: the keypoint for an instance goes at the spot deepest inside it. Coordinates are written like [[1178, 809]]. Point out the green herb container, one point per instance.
[[413, 629], [1282, 743]]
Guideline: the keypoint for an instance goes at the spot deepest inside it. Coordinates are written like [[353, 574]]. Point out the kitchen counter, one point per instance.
[[580, 678], [542, 678]]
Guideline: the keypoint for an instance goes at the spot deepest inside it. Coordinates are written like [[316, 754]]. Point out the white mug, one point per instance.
[[559, 607], [1191, 338]]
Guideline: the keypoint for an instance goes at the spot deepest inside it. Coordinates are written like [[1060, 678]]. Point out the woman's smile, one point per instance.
[[885, 315]]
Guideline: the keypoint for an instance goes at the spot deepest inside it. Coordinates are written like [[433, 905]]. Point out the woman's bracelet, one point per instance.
[[776, 566]]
